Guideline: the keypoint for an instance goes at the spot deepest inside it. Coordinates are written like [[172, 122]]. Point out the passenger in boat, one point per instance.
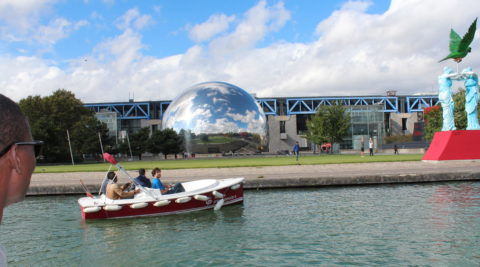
[[156, 183], [103, 187], [115, 191], [142, 179], [164, 189], [17, 156]]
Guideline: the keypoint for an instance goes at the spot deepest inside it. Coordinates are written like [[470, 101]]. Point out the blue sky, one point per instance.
[[106, 50]]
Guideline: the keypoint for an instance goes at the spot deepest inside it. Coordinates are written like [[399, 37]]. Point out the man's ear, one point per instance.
[[14, 158]]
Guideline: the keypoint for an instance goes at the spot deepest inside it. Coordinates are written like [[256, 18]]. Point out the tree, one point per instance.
[[139, 141], [85, 139], [156, 141], [173, 143], [329, 124], [51, 116], [433, 121], [165, 141], [459, 113]]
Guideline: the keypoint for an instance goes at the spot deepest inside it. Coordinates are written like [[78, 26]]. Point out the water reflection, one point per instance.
[[447, 201]]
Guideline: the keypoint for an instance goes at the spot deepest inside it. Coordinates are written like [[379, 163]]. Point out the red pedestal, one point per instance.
[[454, 145]]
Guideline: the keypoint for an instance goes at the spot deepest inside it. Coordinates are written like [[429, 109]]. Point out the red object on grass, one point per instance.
[[110, 158], [454, 145]]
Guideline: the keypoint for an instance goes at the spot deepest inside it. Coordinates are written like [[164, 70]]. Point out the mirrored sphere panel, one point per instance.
[[217, 117]]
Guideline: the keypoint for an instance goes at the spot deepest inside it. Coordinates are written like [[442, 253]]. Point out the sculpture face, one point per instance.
[[217, 117]]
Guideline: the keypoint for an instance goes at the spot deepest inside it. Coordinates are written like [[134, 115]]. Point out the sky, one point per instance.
[[114, 50]]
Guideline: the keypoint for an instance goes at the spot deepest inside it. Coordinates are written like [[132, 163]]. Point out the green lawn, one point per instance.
[[232, 162], [216, 140]]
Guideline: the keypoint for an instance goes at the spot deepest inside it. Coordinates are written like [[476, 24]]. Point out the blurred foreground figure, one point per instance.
[[17, 156]]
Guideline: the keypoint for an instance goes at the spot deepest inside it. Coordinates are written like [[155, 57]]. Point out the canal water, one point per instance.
[[389, 225]]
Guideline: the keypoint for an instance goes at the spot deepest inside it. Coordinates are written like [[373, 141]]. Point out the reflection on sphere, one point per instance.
[[217, 117]]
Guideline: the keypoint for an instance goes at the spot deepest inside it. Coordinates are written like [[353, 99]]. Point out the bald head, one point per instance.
[[13, 124]]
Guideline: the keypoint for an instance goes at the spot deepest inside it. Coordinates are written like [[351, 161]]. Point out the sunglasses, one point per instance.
[[37, 145]]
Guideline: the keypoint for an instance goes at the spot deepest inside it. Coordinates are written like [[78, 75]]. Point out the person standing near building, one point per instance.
[[296, 150], [370, 146], [362, 147], [17, 156]]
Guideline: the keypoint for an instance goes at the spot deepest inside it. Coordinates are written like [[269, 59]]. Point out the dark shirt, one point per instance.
[[143, 181]]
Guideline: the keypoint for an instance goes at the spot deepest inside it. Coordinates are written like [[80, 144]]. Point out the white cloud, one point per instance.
[[354, 53], [259, 21], [22, 15], [20, 22], [216, 24], [58, 29], [133, 19]]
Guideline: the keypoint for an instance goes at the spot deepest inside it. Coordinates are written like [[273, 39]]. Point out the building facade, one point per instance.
[[371, 116]]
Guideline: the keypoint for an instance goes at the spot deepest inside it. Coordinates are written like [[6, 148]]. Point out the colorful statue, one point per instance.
[[471, 98], [445, 98]]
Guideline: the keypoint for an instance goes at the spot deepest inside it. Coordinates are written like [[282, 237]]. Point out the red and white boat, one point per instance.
[[198, 195]]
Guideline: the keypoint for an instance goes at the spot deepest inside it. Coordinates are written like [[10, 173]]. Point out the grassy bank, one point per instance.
[[232, 162]]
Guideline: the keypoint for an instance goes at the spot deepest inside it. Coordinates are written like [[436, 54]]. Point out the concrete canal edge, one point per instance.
[[253, 182], [361, 180]]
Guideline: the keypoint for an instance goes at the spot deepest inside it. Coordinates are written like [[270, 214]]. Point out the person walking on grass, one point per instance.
[[296, 150], [370, 146]]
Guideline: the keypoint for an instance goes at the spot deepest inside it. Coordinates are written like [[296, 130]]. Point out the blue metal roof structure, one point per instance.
[[269, 106], [418, 103], [125, 111], [311, 105], [300, 105]]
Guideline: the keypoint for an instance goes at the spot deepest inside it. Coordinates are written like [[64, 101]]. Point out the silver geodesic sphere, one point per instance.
[[217, 117]]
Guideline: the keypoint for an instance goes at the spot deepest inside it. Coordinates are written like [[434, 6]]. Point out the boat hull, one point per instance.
[[231, 193]]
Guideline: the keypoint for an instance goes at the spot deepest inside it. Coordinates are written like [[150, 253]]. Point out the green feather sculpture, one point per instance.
[[460, 47]]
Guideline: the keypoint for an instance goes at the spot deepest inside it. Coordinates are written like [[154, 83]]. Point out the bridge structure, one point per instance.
[[271, 106]]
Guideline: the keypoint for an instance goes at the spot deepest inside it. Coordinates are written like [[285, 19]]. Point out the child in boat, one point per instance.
[[168, 189]]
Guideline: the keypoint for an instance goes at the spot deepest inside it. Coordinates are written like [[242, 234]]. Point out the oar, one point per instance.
[[86, 189], [113, 161]]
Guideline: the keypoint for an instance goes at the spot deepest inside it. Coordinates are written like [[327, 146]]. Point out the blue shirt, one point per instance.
[[143, 181], [157, 184], [296, 148]]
